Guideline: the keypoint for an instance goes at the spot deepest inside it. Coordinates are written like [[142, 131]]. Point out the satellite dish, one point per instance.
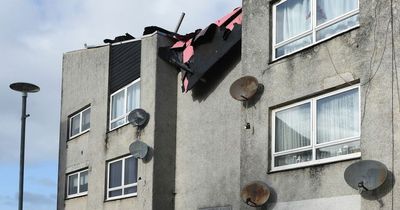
[[244, 88], [255, 194], [365, 175], [138, 149], [138, 117]]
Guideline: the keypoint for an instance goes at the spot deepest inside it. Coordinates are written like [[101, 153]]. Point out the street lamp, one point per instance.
[[25, 88]]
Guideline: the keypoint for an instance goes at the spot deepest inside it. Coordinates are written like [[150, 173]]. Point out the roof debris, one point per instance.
[[122, 38], [196, 53]]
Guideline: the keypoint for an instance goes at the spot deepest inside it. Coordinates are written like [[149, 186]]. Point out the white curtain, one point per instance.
[[338, 116], [293, 17], [292, 128], [118, 101], [133, 97], [329, 9]]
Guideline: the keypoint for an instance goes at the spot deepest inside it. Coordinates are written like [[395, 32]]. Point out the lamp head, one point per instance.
[[24, 87]]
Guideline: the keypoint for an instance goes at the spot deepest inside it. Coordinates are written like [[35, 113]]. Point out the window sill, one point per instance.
[[316, 163], [80, 134], [275, 60], [76, 196], [122, 197]]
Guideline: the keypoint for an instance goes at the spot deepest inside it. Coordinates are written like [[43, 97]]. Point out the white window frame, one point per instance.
[[312, 31], [78, 194], [313, 140], [123, 186], [125, 89], [80, 123]]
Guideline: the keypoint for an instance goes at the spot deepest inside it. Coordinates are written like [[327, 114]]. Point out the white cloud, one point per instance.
[[36, 33]]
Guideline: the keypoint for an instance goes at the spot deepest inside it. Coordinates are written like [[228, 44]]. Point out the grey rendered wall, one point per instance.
[[85, 81], [356, 55], [208, 144], [158, 98], [84, 74]]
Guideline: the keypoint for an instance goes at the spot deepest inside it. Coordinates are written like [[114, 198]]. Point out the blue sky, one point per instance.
[[34, 35]]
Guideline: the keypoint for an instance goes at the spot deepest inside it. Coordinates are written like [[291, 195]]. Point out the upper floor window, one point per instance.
[[77, 184], [79, 123], [318, 130], [122, 178], [122, 102], [300, 23]]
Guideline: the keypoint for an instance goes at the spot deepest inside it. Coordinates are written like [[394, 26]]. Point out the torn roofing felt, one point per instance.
[[196, 53]]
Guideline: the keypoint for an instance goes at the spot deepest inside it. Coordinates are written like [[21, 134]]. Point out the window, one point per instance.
[[300, 23], [122, 178], [315, 131], [122, 102], [77, 184], [79, 123]]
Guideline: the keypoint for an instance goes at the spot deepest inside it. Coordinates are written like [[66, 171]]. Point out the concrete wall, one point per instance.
[[85, 81], [356, 55], [84, 74], [208, 142]]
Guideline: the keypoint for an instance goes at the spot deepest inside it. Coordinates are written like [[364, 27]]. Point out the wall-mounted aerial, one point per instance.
[[244, 88], [365, 175], [138, 149], [138, 118], [255, 194]]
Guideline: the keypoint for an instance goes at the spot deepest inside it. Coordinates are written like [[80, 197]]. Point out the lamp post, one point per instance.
[[25, 88]]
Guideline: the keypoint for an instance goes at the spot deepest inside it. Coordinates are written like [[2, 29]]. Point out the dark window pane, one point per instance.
[[130, 170], [130, 190], [86, 120], [115, 193], [115, 178], [83, 182], [75, 125], [73, 184]]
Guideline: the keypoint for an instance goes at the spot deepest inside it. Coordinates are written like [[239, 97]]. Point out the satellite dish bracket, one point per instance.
[[250, 203], [361, 187]]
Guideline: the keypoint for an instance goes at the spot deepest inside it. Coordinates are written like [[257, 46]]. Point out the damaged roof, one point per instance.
[[194, 54]]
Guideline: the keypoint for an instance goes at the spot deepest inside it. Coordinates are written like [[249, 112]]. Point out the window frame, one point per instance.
[[123, 185], [125, 89], [313, 140], [312, 31], [80, 113], [78, 194]]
